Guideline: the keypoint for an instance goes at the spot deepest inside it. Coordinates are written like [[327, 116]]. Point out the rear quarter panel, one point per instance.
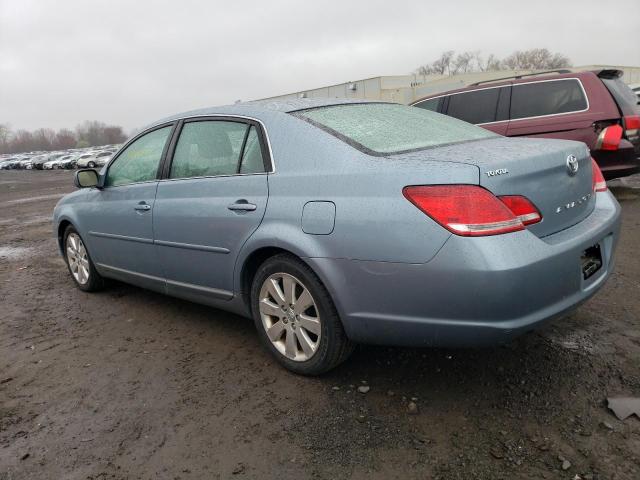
[[373, 220]]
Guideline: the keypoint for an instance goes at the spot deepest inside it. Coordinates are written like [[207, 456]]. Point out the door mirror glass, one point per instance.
[[86, 178]]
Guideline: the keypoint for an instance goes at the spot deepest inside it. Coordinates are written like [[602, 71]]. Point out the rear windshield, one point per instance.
[[387, 128], [625, 98]]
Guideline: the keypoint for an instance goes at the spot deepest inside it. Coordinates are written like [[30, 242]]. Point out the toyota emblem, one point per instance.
[[572, 165]]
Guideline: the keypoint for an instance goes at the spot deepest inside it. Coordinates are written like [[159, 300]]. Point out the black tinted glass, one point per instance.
[[625, 98], [547, 98], [431, 104], [474, 107]]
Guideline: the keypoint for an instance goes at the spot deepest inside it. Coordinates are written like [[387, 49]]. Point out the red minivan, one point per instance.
[[594, 107]]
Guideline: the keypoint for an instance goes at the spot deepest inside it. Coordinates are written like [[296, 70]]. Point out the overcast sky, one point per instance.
[[131, 62]]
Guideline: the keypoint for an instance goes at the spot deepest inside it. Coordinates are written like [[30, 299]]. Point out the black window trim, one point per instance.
[[265, 145], [511, 85], [113, 159]]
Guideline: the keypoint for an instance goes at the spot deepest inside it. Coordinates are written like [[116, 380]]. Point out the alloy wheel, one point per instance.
[[290, 316], [77, 258]]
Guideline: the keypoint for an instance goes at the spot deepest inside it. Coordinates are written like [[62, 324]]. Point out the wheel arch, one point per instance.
[[62, 227]]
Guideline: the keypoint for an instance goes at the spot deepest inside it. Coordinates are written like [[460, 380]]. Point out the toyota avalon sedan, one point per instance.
[[332, 222]]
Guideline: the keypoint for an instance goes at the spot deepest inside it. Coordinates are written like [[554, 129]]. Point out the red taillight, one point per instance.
[[598, 182], [631, 127], [522, 208], [466, 210], [632, 122], [609, 138]]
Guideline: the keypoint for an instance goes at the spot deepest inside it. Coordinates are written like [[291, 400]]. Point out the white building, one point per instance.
[[408, 88]]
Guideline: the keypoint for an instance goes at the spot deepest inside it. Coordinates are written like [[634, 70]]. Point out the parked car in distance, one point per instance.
[[94, 159], [65, 161], [10, 163], [26, 164], [86, 160], [594, 107], [331, 222]]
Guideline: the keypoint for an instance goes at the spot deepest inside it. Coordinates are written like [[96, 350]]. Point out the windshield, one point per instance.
[[387, 128]]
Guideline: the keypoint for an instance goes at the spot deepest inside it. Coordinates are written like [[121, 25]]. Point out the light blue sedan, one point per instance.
[[334, 222]]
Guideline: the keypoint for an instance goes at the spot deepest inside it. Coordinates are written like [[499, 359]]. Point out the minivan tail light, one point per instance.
[[631, 126], [466, 210], [598, 182], [609, 138], [522, 208]]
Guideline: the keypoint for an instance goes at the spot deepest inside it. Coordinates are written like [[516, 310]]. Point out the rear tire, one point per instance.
[[296, 318], [83, 272]]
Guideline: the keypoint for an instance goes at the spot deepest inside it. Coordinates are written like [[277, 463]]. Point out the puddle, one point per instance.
[[13, 253]]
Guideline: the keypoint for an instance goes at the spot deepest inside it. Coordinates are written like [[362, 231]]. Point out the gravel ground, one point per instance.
[[127, 383]]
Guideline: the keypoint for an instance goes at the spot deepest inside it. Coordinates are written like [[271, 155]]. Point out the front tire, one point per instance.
[[83, 272], [296, 318]]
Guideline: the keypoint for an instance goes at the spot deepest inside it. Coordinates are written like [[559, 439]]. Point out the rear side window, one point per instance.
[[252, 161], [208, 148], [547, 98], [387, 128], [479, 106], [432, 104]]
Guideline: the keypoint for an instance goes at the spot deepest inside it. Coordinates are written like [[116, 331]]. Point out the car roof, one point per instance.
[[505, 82], [257, 107]]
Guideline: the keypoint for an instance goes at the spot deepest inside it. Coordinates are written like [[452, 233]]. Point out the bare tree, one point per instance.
[[440, 66], [463, 62], [492, 63], [472, 61], [87, 134], [536, 59], [65, 139], [5, 136]]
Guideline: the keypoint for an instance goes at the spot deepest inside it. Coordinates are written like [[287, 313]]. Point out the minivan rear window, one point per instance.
[[625, 98], [549, 97], [388, 128]]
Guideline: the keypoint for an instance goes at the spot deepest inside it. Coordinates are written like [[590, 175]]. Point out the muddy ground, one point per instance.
[[131, 384]]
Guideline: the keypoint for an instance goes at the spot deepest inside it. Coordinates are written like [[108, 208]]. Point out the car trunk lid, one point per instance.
[[540, 170]]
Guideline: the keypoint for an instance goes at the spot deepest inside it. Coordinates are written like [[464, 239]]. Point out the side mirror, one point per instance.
[[86, 178]]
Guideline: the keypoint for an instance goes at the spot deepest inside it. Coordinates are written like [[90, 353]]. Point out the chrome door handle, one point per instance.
[[242, 206], [142, 207]]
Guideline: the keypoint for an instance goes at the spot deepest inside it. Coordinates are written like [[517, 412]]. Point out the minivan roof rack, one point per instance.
[[563, 70]]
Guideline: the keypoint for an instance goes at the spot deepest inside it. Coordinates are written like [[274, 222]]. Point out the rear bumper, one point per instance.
[[618, 163], [475, 291]]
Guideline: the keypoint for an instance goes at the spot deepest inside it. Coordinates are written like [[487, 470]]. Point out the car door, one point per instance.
[[212, 199], [119, 216]]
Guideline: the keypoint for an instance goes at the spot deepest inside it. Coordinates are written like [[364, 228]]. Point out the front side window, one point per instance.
[[388, 128], [139, 161], [479, 106], [547, 98], [208, 148]]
